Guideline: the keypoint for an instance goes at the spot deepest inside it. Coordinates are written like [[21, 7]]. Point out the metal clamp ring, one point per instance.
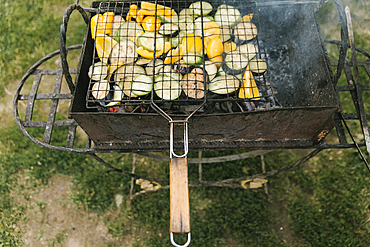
[[176, 245]]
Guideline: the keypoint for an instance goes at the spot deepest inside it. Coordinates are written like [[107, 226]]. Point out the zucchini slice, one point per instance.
[[192, 58], [210, 68], [249, 50], [201, 8], [98, 71], [257, 65], [146, 40], [128, 72], [123, 52], [186, 24], [193, 83], [186, 13], [167, 88], [168, 71], [117, 22], [175, 41], [168, 18], [198, 27], [100, 90], [245, 31], [143, 61], [141, 85], [236, 61], [225, 33], [227, 16], [169, 29], [117, 96], [127, 30], [224, 84], [154, 65]]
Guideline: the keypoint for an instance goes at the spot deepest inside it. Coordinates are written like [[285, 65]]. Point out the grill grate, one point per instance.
[[223, 61]]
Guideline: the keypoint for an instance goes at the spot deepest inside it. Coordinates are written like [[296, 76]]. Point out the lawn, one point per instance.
[[324, 202]]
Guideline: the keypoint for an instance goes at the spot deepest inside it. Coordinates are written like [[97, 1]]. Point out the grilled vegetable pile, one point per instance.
[[188, 53]]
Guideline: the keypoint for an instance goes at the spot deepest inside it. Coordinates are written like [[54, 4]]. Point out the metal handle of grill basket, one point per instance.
[[179, 187], [62, 41]]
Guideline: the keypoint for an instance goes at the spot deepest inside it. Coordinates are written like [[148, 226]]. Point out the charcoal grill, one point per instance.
[[297, 105]]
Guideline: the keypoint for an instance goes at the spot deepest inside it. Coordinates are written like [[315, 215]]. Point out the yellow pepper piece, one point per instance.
[[150, 23], [212, 30], [150, 54], [132, 13], [192, 42], [248, 88], [174, 55], [101, 24], [215, 49], [229, 46], [104, 45], [247, 18], [161, 9]]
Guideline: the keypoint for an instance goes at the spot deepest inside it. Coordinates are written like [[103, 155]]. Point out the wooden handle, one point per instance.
[[179, 196]]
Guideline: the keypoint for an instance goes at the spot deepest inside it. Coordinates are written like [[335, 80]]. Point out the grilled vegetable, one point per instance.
[[225, 33], [141, 85], [214, 51], [151, 24], [154, 65], [167, 88], [169, 29], [127, 30], [245, 31], [193, 58], [257, 65], [168, 71], [235, 60], [212, 30], [193, 83], [98, 71], [100, 89], [175, 41], [128, 72], [227, 16], [249, 50], [161, 48], [248, 88], [117, 22], [192, 42], [104, 45], [186, 13], [143, 61], [198, 27], [146, 40], [229, 46], [117, 96], [174, 18], [123, 52], [174, 55], [210, 68], [186, 24], [224, 84], [101, 24], [200, 8]]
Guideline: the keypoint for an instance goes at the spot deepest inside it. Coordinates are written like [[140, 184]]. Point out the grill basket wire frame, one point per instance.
[[119, 76], [34, 96]]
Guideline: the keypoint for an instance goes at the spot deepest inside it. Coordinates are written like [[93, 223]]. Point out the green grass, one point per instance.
[[322, 203]]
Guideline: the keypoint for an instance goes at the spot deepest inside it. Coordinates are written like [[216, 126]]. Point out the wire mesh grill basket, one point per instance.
[[215, 58]]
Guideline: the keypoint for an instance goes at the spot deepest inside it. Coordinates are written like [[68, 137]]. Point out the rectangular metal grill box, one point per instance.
[[295, 110]]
